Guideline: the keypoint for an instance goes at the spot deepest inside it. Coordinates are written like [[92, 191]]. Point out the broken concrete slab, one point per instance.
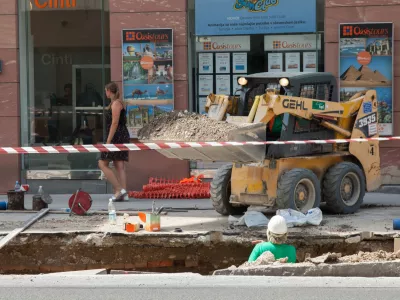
[[367, 269], [80, 273]]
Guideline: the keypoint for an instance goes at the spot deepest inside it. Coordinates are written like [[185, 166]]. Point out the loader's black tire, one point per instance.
[[295, 184], [221, 191], [337, 182]]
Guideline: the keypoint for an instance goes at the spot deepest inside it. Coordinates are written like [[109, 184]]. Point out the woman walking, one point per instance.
[[117, 133]]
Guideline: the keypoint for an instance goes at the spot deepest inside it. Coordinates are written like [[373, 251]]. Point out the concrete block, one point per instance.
[[191, 263], [365, 235], [353, 240], [141, 265], [396, 244], [153, 264], [166, 263]]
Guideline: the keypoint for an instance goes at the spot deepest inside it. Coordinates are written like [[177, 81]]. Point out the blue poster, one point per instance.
[[366, 62], [148, 75], [235, 17]]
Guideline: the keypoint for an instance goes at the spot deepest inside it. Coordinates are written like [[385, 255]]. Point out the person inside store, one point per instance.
[[277, 234], [117, 133], [68, 94]]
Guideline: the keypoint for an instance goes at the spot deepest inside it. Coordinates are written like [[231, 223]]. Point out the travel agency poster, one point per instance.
[[147, 74], [366, 62]]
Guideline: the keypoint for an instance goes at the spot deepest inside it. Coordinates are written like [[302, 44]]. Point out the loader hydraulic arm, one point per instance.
[[311, 109]]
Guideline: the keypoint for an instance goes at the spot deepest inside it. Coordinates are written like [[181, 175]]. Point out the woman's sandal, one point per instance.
[[120, 197]]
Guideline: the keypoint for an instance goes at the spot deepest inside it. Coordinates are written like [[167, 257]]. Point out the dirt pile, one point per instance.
[[185, 127]]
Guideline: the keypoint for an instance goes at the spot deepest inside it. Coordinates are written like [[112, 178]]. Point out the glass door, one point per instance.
[[65, 56]]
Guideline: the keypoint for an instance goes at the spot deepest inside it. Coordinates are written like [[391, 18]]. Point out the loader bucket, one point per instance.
[[243, 154]]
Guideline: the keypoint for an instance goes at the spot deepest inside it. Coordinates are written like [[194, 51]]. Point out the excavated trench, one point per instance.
[[47, 253]]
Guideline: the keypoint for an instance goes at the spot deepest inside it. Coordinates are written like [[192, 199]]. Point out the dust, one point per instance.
[[186, 127]]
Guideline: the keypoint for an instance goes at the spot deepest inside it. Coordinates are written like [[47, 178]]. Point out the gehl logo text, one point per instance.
[[294, 104]]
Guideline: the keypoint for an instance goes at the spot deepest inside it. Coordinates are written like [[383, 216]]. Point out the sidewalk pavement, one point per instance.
[[376, 216], [100, 202]]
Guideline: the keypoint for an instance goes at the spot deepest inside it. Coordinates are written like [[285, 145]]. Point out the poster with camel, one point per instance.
[[147, 74], [366, 62]]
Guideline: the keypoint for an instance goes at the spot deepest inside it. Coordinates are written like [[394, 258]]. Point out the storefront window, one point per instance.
[[238, 38], [64, 68]]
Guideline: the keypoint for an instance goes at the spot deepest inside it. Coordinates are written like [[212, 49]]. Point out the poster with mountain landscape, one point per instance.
[[366, 62]]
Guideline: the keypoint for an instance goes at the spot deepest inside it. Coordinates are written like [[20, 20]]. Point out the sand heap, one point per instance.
[[185, 127]]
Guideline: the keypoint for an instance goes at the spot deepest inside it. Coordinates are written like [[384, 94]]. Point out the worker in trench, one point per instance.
[[277, 234]]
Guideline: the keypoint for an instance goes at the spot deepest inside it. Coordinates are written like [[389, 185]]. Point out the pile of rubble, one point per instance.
[[383, 264], [370, 256], [184, 126], [267, 258]]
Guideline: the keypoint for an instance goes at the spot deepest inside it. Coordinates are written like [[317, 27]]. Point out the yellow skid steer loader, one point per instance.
[[287, 107]]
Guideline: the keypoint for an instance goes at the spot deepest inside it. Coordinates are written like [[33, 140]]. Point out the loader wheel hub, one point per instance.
[[301, 193], [304, 194], [350, 189]]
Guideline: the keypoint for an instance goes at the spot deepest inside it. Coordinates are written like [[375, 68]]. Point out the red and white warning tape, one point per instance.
[[55, 112], [170, 145]]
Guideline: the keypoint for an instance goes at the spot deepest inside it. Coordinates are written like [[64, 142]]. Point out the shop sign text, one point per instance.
[[292, 42], [291, 45], [53, 59], [255, 6], [294, 104], [41, 4], [224, 43], [358, 31], [134, 36]]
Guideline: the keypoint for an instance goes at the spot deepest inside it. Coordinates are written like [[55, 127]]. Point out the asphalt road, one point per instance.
[[172, 287]]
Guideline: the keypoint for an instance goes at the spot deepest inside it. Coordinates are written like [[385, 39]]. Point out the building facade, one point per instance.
[[57, 55]]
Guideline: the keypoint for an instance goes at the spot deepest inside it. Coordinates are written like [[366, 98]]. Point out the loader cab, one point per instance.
[[320, 86]]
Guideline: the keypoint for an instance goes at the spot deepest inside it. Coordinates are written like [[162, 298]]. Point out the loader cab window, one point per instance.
[[305, 126], [320, 91]]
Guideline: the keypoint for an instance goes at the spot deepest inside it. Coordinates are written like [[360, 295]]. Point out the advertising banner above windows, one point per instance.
[[292, 42], [366, 62], [223, 44], [233, 17]]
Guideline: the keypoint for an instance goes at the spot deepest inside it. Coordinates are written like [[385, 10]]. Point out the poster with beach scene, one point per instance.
[[147, 74], [366, 62]]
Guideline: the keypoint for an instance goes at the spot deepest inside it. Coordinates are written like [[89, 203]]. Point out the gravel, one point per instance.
[[184, 126]]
